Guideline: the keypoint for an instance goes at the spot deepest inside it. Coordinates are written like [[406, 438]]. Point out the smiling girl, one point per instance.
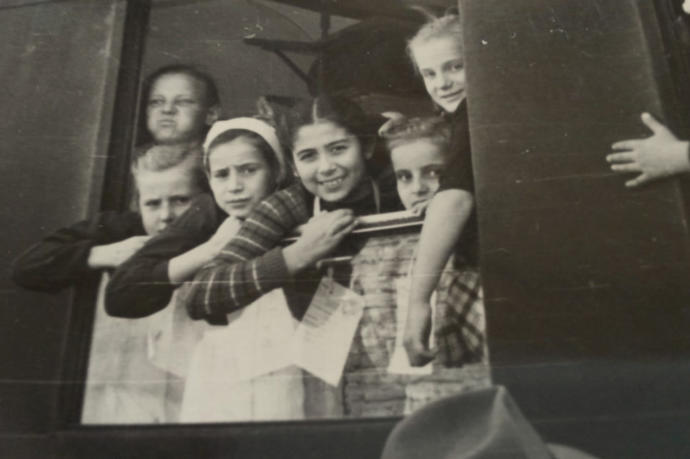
[[331, 141]]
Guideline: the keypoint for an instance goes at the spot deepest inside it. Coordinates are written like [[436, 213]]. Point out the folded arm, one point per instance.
[[142, 285], [72, 255], [252, 263]]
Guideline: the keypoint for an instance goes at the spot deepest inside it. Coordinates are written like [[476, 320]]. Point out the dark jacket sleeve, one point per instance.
[[141, 286], [459, 172], [61, 259]]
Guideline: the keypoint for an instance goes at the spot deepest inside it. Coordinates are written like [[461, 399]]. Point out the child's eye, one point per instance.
[[180, 200], [152, 204], [403, 176], [185, 102], [338, 148], [427, 74], [155, 102], [306, 155], [220, 174], [434, 173], [248, 169]]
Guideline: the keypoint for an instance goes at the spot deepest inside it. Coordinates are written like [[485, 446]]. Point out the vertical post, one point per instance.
[[117, 181]]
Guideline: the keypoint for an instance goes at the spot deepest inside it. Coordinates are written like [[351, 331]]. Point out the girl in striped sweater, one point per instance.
[[332, 141]]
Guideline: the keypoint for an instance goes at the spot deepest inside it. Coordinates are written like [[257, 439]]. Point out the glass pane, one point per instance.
[[329, 343]]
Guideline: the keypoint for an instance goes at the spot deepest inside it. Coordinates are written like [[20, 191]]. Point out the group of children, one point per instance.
[[267, 177], [216, 198]]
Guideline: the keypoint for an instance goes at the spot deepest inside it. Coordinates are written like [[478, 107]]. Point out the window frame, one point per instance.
[[307, 438]]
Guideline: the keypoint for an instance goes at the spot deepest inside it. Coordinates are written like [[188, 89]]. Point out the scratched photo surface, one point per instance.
[[224, 212]]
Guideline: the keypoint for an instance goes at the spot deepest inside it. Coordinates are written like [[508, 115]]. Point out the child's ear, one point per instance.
[[369, 150], [212, 114]]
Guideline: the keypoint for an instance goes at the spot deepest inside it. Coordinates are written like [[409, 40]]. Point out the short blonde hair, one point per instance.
[[163, 157], [403, 130], [448, 25]]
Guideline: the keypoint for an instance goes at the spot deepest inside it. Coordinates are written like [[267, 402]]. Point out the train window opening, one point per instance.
[[286, 362]]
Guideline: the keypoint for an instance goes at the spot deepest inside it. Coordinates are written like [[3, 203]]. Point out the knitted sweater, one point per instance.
[[253, 263], [141, 286]]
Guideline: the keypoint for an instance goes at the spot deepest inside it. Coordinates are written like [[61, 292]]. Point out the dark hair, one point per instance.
[[277, 169], [210, 89], [336, 109], [211, 94]]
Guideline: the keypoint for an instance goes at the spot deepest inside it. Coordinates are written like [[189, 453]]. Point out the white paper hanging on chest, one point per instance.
[[324, 336], [260, 335], [399, 361]]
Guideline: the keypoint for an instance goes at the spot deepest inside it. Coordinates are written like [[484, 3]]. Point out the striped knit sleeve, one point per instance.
[[252, 263]]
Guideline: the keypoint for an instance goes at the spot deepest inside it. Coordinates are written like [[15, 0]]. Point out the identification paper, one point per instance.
[[324, 336], [263, 331]]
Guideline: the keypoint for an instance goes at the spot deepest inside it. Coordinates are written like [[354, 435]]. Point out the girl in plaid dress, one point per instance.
[[421, 155]]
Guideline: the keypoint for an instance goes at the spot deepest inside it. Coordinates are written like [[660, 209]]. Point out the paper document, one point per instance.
[[260, 335], [324, 336]]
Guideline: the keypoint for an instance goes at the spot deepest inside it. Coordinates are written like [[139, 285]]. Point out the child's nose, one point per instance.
[[235, 183], [420, 187], [325, 166], [444, 81], [169, 107], [167, 213]]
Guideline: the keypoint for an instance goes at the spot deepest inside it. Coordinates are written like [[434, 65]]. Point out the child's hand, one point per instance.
[[113, 255], [420, 208], [417, 332], [321, 235], [655, 157], [225, 232], [392, 119]]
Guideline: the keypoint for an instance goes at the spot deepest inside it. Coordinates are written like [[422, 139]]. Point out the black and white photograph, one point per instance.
[[334, 229]]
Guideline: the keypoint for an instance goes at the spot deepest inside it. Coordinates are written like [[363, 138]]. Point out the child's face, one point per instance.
[[329, 160], [440, 62], [164, 196], [240, 177], [418, 166], [176, 110]]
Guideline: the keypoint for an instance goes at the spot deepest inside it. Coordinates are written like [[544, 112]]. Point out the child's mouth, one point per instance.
[[452, 96], [237, 202], [333, 184]]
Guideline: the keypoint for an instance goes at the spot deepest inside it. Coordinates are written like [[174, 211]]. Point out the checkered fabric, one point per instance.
[[459, 322]]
